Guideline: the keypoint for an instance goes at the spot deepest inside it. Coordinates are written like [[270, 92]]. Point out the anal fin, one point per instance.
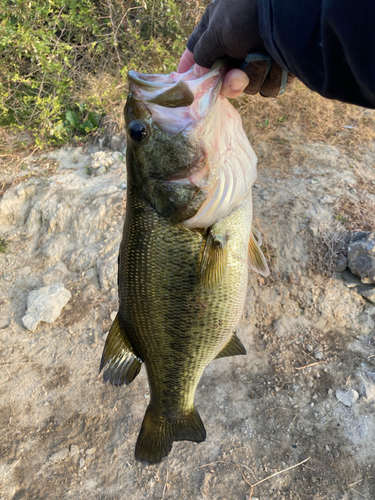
[[233, 348], [121, 362], [214, 260], [257, 260]]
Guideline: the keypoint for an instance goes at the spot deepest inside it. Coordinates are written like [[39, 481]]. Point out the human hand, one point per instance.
[[235, 80], [230, 28]]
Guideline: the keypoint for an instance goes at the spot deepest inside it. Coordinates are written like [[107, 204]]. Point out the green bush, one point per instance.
[[50, 48]]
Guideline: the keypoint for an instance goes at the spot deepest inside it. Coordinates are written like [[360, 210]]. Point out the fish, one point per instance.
[[186, 250]]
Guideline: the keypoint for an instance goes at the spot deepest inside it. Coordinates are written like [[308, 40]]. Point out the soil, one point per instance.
[[67, 435]]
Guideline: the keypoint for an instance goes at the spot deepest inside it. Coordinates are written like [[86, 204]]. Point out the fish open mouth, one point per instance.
[[178, 99], [225, 164]]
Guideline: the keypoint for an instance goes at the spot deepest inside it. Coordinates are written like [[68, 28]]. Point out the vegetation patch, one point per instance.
[[3, 245], [50, 50]]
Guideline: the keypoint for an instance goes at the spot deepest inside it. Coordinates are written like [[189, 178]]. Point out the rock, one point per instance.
[[81, 462], [45, 304], [350, 279], [341, 263], [59, 455], [360, 235], [365, 324], [100, 171], [56, 246], [367, 388], [102, 159], [74, 450], [318, 355], [327, 200], [59, 272], [361, 258], [368, 292], [15, 205], [362, 431], [347, 398]]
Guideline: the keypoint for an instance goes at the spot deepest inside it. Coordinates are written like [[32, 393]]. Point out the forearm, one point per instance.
[[328, 44]]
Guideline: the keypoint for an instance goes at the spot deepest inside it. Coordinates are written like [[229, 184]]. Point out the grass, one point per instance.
[[3, 245], [357, 214], [306, 115]]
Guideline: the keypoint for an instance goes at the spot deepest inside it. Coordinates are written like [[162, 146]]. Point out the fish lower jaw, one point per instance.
[[200, 179]]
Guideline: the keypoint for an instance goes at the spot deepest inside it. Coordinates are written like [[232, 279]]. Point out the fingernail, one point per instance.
[[239, 83], [198, 70]]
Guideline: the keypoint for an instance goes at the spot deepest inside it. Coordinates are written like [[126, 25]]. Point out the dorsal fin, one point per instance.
[[178, 96], [123, 364]]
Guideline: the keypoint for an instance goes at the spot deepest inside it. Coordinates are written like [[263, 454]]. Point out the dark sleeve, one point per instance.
[[328, 44]]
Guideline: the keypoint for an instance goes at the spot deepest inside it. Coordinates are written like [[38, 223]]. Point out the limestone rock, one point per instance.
[[59, 455], [74, 450], [367, 390], [347, 398], [361, 257], [45, 304], [102, 159], [365, 324]]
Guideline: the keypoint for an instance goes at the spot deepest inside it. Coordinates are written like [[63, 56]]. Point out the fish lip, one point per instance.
[[157, 84]]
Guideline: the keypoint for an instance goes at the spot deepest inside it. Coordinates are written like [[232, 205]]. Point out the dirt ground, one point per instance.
[[67, 435]]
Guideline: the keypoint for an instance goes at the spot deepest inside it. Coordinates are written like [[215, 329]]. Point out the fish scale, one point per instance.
[[177, 328], [181, 288]]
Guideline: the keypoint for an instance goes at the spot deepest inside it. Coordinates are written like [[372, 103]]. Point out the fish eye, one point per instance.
[[138, 131]]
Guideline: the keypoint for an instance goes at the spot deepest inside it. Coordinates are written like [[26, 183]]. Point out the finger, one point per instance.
[[272, 84], [256, 71], [208, 49], [235, 81], [200, 71], [186, 62]]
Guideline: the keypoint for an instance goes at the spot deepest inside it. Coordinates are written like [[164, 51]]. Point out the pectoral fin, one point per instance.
[[122, 364], [233, 348], [214, 261], [257, 260], [257, 235]]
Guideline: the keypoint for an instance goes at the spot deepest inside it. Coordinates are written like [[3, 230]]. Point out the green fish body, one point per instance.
[[182, 276]]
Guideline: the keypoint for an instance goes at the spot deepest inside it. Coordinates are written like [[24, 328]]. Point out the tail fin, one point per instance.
[[158, 433]]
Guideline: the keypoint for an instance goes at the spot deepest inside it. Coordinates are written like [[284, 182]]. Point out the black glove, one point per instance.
[[230, 28]]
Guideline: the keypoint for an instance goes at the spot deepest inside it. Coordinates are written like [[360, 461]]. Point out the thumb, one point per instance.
[[200, 70]]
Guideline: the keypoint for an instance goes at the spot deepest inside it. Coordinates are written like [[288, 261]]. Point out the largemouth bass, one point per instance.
[[186, 248]]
